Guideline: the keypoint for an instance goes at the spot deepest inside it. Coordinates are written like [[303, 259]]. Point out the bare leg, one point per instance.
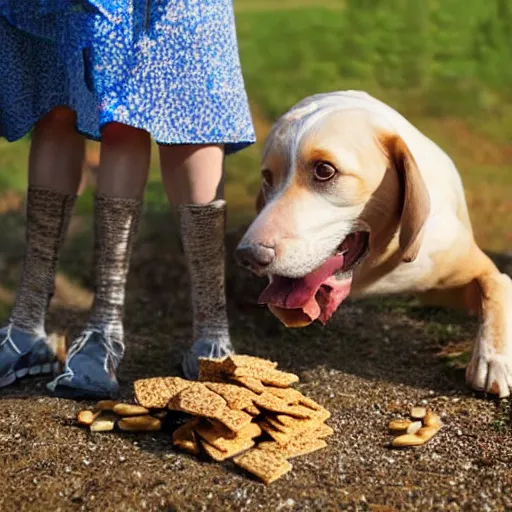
[[94, 356], [192, 174], [192, 177], [55, 166]]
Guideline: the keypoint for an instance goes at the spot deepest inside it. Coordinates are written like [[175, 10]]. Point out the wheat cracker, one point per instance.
[[266, 465]]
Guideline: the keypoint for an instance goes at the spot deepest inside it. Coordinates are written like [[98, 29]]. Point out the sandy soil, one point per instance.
[[375, 360]]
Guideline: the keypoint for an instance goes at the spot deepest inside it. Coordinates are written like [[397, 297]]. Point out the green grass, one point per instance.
[[287, 55], [13, 163]]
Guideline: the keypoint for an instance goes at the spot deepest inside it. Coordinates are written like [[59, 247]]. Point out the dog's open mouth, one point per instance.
[[297, 302]]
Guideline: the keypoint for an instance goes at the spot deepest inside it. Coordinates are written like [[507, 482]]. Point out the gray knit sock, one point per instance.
[[203, 228], [48, 216], [116, 224]]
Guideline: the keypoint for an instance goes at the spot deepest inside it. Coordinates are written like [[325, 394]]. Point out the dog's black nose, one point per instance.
[[255, 256]]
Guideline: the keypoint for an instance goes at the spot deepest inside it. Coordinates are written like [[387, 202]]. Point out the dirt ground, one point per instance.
[[374, 360]]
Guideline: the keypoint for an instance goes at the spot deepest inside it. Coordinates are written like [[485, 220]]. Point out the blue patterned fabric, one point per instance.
[[170, 67]]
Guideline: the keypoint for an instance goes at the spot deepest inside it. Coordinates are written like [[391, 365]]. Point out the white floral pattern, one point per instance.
[[170, 67]]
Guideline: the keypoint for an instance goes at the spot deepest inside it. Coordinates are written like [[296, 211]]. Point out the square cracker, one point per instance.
[[242, 361], [212, 370], [198, 400], [322, 431], [285, 434], [293, 397], [277, 435], [299, 425], [270, 402], [220, 428], [215, 437], [289, 421], [185, 438], [236, 447], [264, 464], [155, 392], [251, 383], [272, 421], [269, 376], [289, 395], [295, 448], [234, 420], [252, 410], [237, 397]]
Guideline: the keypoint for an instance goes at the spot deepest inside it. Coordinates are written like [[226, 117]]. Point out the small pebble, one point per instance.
[[414, 427]]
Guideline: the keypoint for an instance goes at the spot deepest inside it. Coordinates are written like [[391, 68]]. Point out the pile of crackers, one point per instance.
[[242, 408]]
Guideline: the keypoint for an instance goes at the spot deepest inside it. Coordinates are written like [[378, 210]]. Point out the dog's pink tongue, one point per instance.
[[290, 293]]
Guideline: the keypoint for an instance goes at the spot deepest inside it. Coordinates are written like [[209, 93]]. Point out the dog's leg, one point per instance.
[[478, 287], [490, 368], [466, 298]]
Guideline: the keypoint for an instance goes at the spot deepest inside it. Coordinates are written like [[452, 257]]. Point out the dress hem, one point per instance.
[[231, 145]]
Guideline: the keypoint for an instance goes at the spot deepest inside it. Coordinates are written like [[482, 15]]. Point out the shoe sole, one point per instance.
[[63, 391], [38, 369]]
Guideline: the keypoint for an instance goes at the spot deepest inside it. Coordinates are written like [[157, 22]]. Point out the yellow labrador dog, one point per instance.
[[356, 201]]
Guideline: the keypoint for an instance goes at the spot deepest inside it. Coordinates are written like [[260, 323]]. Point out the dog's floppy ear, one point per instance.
[[416, 200]]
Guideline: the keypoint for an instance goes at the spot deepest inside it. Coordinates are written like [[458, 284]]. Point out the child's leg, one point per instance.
[[55, 167], [192, 177], [93, 358]]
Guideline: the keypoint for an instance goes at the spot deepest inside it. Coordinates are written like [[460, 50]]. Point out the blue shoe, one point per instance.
[[90, 368], [23, 354]]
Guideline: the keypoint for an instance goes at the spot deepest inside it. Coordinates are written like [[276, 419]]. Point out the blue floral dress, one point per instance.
[[170, 67]]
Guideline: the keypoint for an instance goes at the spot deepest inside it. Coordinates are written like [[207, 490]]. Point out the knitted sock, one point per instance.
[[48, 216], [203, 229], [93, 358], [115, 227]]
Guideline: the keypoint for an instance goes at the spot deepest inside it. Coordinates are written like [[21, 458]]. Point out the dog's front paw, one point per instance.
[[490, 373], [490, 368]]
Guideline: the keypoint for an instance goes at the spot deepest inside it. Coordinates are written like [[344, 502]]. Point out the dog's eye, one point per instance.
[[324, 171], [267, 177]]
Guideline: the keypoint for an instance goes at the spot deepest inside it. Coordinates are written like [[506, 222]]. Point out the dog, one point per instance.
[[355, 200]]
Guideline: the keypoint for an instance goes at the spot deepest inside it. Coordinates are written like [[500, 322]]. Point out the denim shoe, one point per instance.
[[23, 353], [90, 368]]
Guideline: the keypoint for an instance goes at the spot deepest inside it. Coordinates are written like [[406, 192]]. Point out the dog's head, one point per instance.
[[338, 184]]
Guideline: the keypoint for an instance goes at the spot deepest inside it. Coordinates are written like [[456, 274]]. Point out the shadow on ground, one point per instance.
[[374, 360]]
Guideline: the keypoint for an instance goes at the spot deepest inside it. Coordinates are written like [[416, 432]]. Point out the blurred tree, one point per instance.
[[358, 56], [492, 41]]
